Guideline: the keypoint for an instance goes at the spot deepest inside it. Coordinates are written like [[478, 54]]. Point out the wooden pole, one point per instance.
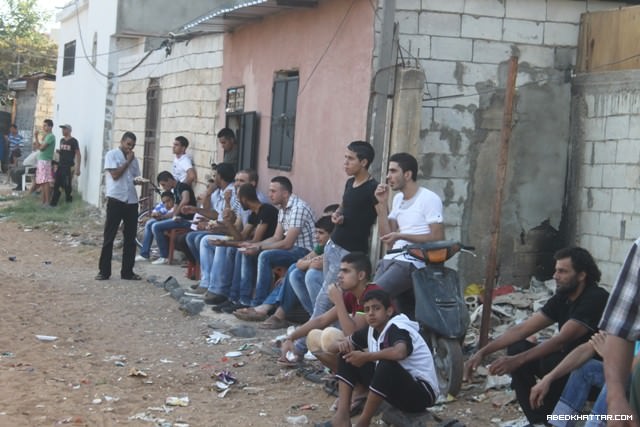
[[492, 260]]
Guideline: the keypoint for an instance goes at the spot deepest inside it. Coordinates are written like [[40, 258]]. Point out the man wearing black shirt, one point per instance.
[[576, 307], [68, 151], [353, 219], [183, 195]]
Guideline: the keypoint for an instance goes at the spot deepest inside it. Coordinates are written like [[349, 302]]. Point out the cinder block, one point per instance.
[[521, 31], [434, 142], [632, 225], [592, 176], [485, 8], [617, 127], [537, 56], [439, 24], [634, 126], [622, 201], [408, 4], [604, 152], [491, 51], [453, 118], [621, 176], [474, 73], [594, 128], [609, 270], [456, 49], [440, 71], [559, 34], [620, 247], [443, 6], [567, 10], [600, 200], [599, 246], [526, 9], [430, 98], [456, 95], [628, 151], [609, 224], [407, 22], [481, 28], [418, 46]]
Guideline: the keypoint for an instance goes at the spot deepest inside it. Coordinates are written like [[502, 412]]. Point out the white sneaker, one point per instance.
[[141, 258], [160, 261]]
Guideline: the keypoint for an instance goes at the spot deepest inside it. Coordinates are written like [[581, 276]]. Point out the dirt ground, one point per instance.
[[108, 331]]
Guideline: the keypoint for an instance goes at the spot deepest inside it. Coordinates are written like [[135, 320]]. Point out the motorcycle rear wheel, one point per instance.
[[448, 361]]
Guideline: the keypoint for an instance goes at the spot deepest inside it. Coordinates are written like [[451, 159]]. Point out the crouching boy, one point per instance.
[[389, 357]]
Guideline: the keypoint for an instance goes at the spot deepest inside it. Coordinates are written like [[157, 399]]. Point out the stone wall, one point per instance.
[[189, 81], [463, 47], [605, 186]]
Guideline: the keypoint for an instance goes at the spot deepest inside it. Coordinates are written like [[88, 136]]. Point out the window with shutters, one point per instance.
[[69, 60], [283, 120]]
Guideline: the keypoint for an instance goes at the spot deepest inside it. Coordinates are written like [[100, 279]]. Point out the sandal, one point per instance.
[[274, 322], [287, 363], [331, 386], [249, 314]]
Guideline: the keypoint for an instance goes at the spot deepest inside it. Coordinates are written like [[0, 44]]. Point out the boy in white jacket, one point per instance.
[[391, 358]]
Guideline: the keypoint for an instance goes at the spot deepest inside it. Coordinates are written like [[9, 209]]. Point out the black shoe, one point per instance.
[[233, 307], [220, 307], [133, 276], [214, 299], [17, 188], [101, 276], [69, 199]]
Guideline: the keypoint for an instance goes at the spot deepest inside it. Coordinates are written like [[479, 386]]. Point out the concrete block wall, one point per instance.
[[189, 79], [463, 47], [606, 185]]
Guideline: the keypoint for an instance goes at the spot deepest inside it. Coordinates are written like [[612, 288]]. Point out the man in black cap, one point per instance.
[[68, 151]]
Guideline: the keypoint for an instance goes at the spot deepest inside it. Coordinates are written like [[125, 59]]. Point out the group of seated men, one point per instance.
[[237, 239]]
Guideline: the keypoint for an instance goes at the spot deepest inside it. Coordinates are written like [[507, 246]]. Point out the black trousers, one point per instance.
[[391, 381], [118, 212], [63, 179], [524, 378]]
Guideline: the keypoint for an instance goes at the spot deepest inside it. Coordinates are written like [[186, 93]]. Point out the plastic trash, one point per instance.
[[298, 420], [177, 401]]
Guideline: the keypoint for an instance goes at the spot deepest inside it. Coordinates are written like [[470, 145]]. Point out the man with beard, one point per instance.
[[576, 307]]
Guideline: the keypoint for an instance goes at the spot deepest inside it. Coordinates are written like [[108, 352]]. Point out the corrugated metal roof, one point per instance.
[[229, 14]]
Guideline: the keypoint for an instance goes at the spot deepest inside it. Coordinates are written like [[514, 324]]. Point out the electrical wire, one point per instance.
[[94, 67], [326, 50]]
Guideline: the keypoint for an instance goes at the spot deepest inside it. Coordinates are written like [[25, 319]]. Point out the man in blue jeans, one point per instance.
[[292, 239], [183, 196]]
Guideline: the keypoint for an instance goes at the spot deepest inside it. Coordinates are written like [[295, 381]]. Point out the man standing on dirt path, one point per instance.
[[122, 170], [70, 158], [576, 307], [44, 173]]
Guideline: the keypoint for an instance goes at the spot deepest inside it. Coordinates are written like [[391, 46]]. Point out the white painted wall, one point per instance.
[[80, 97]]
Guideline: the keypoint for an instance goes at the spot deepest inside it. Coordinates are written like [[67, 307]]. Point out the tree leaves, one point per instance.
[[24, 48]]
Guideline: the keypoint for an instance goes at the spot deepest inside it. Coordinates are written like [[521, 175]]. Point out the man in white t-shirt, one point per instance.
[[415, 217], [183, 170]]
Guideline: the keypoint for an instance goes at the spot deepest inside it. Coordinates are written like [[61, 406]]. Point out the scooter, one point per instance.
[[440, 308]]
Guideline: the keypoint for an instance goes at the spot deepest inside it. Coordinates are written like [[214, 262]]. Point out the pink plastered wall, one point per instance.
[[333, 59]]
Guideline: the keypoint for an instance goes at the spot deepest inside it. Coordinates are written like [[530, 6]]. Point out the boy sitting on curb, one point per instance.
[[390, 357]]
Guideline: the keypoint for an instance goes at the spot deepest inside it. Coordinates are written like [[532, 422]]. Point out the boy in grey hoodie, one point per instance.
[[391, 358]]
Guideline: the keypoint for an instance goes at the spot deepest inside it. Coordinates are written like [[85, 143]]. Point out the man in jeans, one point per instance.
[[122, 169], [183, 196], [69, 151], [292, 239]]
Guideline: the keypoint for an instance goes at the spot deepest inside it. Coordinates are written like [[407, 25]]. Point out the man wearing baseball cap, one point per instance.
[[68, 151]]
